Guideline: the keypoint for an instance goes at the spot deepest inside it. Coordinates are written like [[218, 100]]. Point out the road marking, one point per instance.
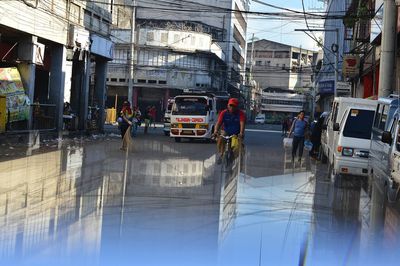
[[263, 130]]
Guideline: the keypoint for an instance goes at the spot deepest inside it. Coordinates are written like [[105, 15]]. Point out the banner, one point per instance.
[[17, 102], [351, 66]]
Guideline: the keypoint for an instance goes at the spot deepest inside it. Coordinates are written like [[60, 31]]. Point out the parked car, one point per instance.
[[260, 119], [385, 147], [348, 136]]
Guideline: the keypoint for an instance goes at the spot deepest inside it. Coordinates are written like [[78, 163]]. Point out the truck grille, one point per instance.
[[188, 125]]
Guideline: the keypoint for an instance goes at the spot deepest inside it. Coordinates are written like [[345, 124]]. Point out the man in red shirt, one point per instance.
[[231, 121]]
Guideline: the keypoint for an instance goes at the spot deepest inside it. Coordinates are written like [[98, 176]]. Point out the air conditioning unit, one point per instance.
[[31, 52]]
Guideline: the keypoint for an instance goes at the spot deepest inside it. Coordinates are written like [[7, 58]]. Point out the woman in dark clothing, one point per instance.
[[316, 137], [126, 117]]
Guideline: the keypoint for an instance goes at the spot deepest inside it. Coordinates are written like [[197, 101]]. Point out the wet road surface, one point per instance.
[[85, 202]]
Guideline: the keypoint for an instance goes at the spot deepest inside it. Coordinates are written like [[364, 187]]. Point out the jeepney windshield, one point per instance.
[[190, 106]]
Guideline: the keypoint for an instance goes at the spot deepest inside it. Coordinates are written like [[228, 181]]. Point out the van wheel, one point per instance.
[[166, 133], [177, 139]]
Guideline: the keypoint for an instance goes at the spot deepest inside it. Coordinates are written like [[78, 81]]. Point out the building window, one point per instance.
[[295, 55], [259, 63], [122, 80], [281, 54], [237, 57], [235, 76], [240, 18], [96, 22], [162, 82], [75, 13], [152, 81], [150, 36], [264, 54], [238, 37], [113, 80], [87, 20], [164, 37], [141, 81]]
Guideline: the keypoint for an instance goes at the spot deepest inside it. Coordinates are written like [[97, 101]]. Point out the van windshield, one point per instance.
[[359, 124], [190, 106]]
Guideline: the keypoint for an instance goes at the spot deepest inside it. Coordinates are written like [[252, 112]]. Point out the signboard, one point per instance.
[[17, 102], [343, 87], [102, 47], [351, 66], [326, 87], [377, 21]]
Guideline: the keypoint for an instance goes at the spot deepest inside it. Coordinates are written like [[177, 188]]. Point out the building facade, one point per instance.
[[281, 66], [336, 43], [190, 45], [59, 51], [285, 75], [365, 30], [168, 60]]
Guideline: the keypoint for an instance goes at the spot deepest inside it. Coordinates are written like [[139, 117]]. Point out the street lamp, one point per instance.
[[333, 50]]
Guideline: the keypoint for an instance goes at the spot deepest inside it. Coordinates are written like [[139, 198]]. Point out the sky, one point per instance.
[[282, 30]]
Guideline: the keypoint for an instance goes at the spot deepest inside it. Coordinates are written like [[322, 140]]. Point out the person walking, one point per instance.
[[299, 129], [153, 113], [147, 119], [125, 121], [284, 126], [316, 134]]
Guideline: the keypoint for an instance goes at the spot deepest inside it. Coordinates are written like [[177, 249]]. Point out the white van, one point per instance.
[[348, 136], [385, 147]]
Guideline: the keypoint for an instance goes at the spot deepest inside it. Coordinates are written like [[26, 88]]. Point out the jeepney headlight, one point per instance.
[[347, 152], [174, 125], [202, 126]]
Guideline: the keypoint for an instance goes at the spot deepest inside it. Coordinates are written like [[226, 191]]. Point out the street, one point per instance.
[[85, 202]]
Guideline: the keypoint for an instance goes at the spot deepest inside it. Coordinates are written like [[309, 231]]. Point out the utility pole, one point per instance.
[[336, 64], [252, 58], [388, 52], [132, 52], [250, 87]]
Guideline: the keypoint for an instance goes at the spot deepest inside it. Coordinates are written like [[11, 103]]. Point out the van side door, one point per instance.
[[331, 134], [379, 151]]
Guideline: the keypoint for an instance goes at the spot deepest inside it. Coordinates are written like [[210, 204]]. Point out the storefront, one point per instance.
[[86, 93], [31, 79]]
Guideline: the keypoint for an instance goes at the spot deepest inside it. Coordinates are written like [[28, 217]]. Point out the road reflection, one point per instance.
[[91, 204], [87, 203]]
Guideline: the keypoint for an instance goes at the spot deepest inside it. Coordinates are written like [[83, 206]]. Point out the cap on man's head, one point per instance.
[[233, 102]]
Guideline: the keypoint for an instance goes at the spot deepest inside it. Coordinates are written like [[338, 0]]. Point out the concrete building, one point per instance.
[[197, 45], [338, 40], [284, 74], [167, 61], [281, 66], [60, 50], [364, 35]]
